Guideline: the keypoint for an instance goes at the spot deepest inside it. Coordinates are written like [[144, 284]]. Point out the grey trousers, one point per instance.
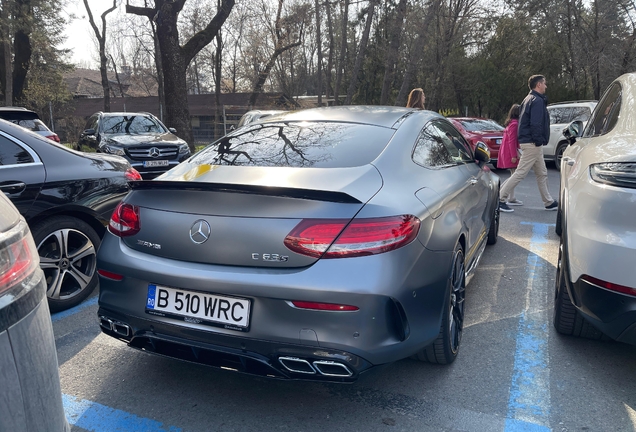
[[531, 158]]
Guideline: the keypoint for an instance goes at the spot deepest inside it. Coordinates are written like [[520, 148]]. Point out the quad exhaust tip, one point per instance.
[[322, 367], [118, 327]]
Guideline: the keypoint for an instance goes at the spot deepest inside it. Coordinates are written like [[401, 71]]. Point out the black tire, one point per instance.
[[558, 227], [558, 154], [445, 348], [69, 265], [493, 231], [567, 319]]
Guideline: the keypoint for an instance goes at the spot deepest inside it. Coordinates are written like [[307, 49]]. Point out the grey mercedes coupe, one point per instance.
[[315, 245]]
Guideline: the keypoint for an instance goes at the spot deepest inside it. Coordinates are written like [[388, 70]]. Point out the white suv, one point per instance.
[[561, 115]]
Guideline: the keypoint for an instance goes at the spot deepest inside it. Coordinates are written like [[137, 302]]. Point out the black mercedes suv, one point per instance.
[[150, 147]]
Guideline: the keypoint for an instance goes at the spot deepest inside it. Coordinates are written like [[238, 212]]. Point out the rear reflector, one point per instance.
[[359, 237], [110, 275], [610, 286], [324, 306], [125, 220]]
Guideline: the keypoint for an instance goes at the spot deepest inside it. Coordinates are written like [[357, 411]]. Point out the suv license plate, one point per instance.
[[199, 308], [155, 163]]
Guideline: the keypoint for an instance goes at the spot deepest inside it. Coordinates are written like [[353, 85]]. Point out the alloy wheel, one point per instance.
[[456, 312]]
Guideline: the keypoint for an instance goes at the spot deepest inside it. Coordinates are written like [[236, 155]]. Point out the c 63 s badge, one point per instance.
[[270, 257]]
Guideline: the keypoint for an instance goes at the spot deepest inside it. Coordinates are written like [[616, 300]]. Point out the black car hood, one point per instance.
[[123, 140]]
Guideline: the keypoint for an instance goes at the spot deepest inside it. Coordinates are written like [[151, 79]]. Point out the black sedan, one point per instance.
[[67, 198]]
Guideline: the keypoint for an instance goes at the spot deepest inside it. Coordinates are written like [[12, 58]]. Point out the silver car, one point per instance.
[[316, 245], [595, 294], [30, 393]]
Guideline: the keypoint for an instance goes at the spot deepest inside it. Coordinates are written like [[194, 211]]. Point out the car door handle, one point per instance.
[[568, 161], [12, 188], [473, 181]]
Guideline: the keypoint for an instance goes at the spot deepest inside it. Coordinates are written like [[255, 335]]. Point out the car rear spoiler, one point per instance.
[[309, 194]]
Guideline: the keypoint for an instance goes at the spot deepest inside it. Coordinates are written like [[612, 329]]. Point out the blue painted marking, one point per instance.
[[95, 417], [529, 400], [72, 311]]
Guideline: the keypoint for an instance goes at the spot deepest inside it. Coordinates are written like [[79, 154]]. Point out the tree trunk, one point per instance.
[[22, 61], [343, 52], [319, 47], [332, 45], [413, 58], [7, 77], [395, 32], [158, 65], [218, 59], [103, 59], [175, 58], [353, 84]]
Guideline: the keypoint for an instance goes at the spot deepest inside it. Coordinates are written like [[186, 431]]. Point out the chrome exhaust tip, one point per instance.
[[332, 369], [297, 365], [118, 327], [121, 329], [105, 323]]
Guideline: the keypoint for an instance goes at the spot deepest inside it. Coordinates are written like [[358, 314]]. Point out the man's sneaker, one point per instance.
[[504, 207], [552, 206], [515, 202]]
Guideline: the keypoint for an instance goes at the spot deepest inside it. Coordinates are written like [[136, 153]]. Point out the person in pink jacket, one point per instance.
[[509, 150]]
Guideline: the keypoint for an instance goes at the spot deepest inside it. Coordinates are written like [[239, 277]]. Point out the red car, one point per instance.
[[480, 129]]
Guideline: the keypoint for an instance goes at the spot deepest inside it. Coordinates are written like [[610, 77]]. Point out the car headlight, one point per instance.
[[184, 149], [113, 150], [622, 174]]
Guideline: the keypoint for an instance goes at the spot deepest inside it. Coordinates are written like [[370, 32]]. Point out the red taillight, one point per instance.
[[324, 306], [110, 275], [315, 237], [132, 174], [610, 286], [18, 257], [125, 220], [54, 137]]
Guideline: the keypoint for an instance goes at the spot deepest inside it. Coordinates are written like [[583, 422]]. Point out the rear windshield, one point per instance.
[[34, 125], [481, 125], [301, 144]]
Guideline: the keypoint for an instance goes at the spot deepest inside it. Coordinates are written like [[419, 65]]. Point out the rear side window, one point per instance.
[[606, 113], [12, 154], [560, 115], [298, 144]]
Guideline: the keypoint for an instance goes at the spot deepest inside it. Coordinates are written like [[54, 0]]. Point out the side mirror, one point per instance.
[[173, 130], [573, 131], [482, 153], [88, 132]]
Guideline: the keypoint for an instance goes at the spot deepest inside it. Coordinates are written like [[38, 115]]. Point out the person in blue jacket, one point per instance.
[[533, 134]]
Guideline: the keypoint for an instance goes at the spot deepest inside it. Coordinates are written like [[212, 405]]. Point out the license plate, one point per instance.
[[199, 308], [155, 163]]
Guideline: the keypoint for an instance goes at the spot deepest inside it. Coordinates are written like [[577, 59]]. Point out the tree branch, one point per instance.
[[205, 36], [141, 11]]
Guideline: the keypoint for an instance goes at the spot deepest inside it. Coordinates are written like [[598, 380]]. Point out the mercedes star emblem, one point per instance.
[[153, 152], [200, 231]]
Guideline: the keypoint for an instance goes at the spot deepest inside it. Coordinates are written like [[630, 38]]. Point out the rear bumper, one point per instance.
[[400, 296], [254, 357], [612, 313]]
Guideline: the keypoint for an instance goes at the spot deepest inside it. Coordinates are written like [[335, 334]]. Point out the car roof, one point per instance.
[[386, 116], [578, 102]]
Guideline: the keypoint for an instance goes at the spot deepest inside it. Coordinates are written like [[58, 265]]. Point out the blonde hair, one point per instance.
[[416, 99]]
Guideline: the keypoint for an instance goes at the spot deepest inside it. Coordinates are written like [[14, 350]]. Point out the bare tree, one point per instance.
[[176, 58], [319, 49], [343, 51], [285, 28], [395, 32], [353, 84], [7, 78], [101, 40]]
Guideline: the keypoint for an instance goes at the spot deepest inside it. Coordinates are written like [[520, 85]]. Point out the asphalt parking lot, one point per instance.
[[514, 372]]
